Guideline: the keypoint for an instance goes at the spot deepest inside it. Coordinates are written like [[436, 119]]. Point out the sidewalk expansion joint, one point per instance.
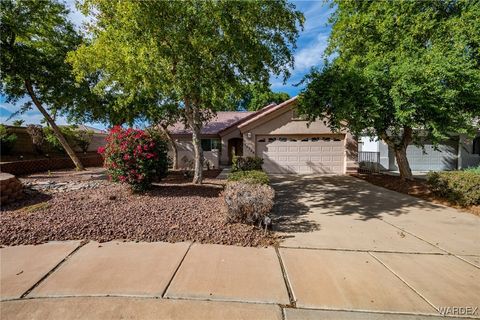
[[293, 303], [404, 281], [36, 284], [176, 270], [366, 250], [436, 246]]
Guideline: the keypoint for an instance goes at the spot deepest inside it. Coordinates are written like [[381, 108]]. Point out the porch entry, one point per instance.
[[235, 147]]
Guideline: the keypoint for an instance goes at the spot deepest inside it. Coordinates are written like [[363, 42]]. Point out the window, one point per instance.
[[210, 144], [298, 117], [476, 145], [272, 139], [282, 139], [261, 140]]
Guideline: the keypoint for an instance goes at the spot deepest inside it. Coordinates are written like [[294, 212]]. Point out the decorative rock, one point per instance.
[[11, 188], [54, 186]]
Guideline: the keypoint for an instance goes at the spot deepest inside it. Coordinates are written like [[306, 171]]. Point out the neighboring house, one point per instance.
[[457, 153], [274, 133]]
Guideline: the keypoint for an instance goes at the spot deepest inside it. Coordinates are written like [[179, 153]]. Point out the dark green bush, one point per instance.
[[246, 163], [251, 177], [7, 140], [460, 187], [52, 142]]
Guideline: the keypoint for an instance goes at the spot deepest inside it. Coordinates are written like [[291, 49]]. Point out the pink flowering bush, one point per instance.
[[136, 157]]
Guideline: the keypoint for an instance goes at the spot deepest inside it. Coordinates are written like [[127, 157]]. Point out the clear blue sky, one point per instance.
[[310, 47]]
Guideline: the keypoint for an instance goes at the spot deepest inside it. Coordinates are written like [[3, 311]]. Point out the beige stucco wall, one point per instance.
[[283, 124], [185, 151]]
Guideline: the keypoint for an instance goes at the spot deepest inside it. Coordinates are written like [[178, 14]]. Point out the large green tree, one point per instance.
[[198, 53], [35, 38], [405, 71], [257, 96]]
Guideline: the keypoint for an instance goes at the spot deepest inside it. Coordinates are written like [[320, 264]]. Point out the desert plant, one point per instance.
[[251, 177], [38, 138], [246, 163], [7, 140], [54, 144], [460, 187], [473, 169], [248, 203], [18, 123], [135, 157], [83, 139]]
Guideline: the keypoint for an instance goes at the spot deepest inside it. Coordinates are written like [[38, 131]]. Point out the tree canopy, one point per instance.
[[35, 39], [257, 96], [198, 53], [405, 71]]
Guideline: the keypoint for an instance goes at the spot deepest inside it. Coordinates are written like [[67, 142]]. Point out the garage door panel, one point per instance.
[[288, 154], [429, 158]]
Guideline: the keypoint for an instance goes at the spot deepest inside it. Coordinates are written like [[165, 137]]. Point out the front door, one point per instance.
[[235, 147]]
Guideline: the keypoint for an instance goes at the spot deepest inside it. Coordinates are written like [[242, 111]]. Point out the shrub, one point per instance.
[[246, 163], [246, 202], [83, 138], [251, 177], [38, 138], [54, 144], [7, 140], [461, 187], [473, 169], [135, 157]]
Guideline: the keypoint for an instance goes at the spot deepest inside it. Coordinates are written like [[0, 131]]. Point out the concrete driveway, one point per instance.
[[348, 244], [342, 212]]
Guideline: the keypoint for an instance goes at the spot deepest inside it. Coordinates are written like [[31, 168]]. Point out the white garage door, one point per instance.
[[444, 157], [302, 154]]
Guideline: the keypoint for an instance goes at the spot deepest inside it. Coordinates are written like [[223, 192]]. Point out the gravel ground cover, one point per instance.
[[174, 210]]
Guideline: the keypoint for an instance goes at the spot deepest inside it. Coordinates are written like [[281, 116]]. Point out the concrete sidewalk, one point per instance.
[[74, 280], [351, 250]]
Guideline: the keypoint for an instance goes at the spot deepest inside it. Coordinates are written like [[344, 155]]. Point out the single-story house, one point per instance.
[[275, 133], [459, 152]]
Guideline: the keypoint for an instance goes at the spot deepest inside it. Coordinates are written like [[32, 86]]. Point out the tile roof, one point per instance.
[[221, 121], [226, 119], [270, 110]]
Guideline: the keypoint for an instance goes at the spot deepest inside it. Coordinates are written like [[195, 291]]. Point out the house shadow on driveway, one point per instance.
[[300, 197]]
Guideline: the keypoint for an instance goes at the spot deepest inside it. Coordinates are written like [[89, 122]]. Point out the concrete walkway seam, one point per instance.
[[293, 302], [84, 242], [436, 246], [363, 250], [176, 270], [399, 313], [404, 281]]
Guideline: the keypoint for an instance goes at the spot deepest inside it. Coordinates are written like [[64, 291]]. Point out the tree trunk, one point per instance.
[[193, 116], [402, 162], [173, 145], [400, 150], [197, 146], [54, 126]]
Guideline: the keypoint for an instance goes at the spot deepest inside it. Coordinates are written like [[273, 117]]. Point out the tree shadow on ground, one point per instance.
[[290, 215], [206, 190], [31, 200], [301, 196]]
